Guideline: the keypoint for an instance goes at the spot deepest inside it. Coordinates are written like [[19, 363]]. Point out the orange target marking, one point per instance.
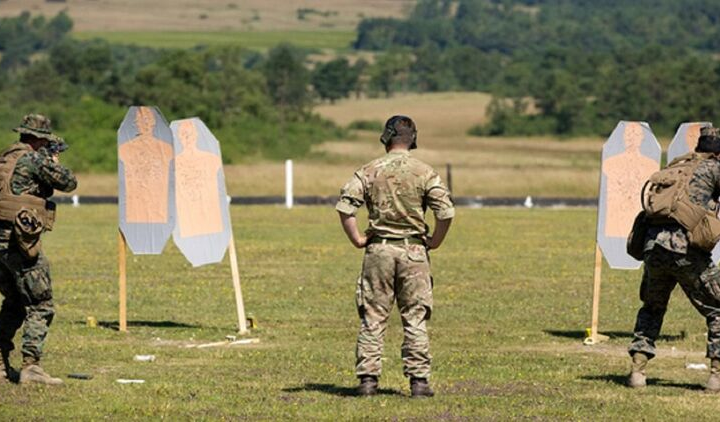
[[146, 160]]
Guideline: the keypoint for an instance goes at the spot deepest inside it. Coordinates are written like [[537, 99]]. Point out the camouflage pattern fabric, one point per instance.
[[393, 273], [669, 260], [397, 189], [27, 289], [37, 174], [38, 126], [700, 280], [25, 283], [703, 190]]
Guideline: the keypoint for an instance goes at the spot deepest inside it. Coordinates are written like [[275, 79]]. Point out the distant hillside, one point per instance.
[[211, 15], [566, 67]]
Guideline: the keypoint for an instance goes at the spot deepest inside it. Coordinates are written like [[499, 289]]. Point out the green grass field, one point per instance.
[[512, 299], [256, 40]]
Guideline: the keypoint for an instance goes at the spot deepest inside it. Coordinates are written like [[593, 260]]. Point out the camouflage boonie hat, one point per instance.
[[710, 132], [39, 126]]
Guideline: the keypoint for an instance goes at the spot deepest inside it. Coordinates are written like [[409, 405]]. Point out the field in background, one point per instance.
[[256, 40], [510, 312], [481, 166], [212, 15]]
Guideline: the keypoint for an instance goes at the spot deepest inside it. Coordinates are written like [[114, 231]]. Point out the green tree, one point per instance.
[[335, 79], [390, 70], [287, 80]]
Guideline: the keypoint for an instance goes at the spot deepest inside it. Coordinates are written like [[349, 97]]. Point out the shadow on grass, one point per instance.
[[656, 382], [579, 334], [338, 390], [115, 325]]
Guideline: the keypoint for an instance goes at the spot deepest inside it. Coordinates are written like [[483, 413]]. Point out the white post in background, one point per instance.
[[288, 184]]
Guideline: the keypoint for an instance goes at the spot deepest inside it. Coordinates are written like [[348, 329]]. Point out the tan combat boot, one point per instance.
[[637, 377], [713, 384], [32, 373], [419, 387]]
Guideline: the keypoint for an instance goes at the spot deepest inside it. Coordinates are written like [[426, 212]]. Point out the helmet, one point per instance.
[[709, 140], [399, 127]]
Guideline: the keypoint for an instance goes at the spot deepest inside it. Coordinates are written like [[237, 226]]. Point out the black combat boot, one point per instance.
[[419, 387], [7, 373], [368, 385], [637, 378]]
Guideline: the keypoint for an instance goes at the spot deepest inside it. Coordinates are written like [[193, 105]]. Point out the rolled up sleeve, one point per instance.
[[438, 198], [351, 196]]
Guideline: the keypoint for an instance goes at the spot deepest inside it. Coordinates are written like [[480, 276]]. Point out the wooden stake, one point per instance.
[[122, 271], [594, 339], [242, 322]]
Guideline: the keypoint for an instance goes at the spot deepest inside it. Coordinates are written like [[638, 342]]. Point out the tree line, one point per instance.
[[258, 105], [566, 67]]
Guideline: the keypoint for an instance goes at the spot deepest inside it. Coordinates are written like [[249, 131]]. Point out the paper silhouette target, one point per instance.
[[629, 157], [145, 178], [202, 231], [685, 139]]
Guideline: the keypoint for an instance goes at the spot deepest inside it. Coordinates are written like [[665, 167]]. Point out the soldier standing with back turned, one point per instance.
[[396, 189], [672, 257], [29, 172]]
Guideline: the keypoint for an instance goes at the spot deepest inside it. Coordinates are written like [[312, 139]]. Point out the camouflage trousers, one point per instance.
[[699, 278], [27, 291], [393, 273]]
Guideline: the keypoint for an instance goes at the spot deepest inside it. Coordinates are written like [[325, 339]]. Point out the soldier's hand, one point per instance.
[[360, 242]]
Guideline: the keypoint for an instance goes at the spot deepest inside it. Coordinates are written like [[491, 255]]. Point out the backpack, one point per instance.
[[665, 199]]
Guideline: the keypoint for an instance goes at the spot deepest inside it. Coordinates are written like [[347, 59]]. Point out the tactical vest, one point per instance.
[[665, 198], [11, 204]]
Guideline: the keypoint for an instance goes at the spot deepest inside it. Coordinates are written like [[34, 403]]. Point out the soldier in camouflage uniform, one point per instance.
[[396, 189], [670, 260], [29, 172]]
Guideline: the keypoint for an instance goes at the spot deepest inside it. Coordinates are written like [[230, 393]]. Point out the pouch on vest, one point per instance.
[[706, 233], [636, 238], [27, 230]]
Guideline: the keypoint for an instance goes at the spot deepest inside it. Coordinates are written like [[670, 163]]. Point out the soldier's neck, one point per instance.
[[398, 150]]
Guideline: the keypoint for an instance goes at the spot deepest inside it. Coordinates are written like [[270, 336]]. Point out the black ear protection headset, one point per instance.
[[391, 131]]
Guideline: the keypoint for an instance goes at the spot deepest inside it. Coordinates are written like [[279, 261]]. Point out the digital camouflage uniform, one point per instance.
[[670, 260], [25, 282], [396, 189]]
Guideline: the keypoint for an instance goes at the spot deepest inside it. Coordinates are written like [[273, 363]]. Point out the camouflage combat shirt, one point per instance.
[[397, 189], [37, 174], [704, 190]]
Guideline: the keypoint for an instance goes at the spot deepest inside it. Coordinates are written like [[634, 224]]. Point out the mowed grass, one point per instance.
[[512, 299], [256, 40]]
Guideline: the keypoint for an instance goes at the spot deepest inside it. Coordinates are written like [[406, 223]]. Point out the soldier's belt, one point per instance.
[[386, 241]]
